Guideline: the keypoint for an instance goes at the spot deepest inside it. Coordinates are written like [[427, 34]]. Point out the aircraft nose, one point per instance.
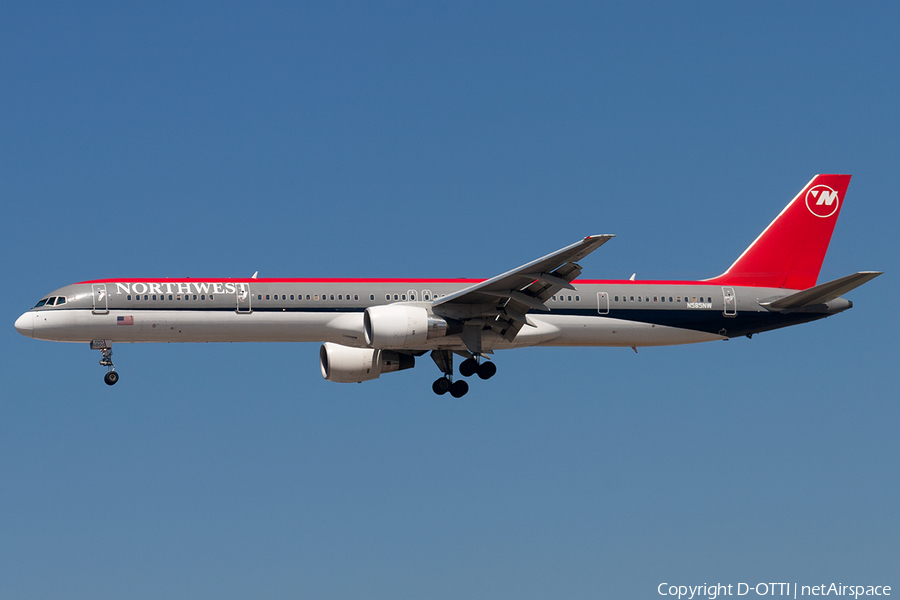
[[25, 324]]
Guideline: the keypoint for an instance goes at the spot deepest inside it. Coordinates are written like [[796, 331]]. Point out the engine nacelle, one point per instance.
[[355, 365], [399, 326]]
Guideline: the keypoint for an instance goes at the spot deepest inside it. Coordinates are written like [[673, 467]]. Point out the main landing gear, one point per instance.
[[470, 367], [105, 348], [444, 384], [467, 368]]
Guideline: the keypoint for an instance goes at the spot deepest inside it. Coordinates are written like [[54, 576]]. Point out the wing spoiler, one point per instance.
[[822, 293]]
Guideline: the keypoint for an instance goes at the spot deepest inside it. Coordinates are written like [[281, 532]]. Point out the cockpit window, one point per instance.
[[60, 300], [51, 301], [41, 303]]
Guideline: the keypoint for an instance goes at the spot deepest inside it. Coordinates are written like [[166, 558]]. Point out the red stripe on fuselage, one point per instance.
[[377, 280], [277, 280]]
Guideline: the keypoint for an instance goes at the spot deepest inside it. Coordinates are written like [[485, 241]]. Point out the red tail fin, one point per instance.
[[789, 253]]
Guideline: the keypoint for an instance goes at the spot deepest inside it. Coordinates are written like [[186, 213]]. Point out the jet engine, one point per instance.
[[399, 326], [355, 365]]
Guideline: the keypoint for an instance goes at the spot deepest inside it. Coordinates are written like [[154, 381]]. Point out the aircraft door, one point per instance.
[[730, 302], [242, 298], [603, 303], [101, 300]]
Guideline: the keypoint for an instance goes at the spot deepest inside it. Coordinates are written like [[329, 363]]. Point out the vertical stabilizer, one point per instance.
[[789, 253]]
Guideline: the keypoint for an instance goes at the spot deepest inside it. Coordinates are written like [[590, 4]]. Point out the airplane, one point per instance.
[[369, 327]]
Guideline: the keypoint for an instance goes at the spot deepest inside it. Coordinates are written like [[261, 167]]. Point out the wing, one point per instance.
[[502, 302]]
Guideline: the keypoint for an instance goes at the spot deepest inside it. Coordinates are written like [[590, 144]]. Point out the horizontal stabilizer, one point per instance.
[[823, 293]]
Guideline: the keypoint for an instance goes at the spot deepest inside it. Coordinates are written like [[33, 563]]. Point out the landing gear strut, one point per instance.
[[111, 376]]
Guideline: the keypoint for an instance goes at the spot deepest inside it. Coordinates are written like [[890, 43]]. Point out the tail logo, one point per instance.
[[822, 201]]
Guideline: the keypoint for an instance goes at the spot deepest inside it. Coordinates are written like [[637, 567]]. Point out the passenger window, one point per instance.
[[202, 297], [267, 296], [387, 296], [396, 297], [356, 296], [403, 297], [259, 297], [655, 299], [412, 296], [617, 298], [170, 296], [154, 297], [577, 298], [307, 296], [632, 298], [332, 296], [639, 298], [569, 298], [670, 298]]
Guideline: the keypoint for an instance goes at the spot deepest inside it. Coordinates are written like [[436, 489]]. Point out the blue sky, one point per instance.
[[443, 140]]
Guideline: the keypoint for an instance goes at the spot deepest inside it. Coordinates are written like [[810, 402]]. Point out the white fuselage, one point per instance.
[[613, 313]]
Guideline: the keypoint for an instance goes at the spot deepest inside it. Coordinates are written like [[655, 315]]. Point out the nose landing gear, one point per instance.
[[111, 378], [105, 348]]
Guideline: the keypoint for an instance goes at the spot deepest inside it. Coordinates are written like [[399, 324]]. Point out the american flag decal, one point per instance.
[[129, 320]]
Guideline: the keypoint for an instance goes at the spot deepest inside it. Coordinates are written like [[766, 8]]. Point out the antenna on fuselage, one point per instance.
[[254, 275], [632, 277]]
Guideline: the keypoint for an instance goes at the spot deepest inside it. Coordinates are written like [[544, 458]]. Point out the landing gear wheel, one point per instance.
[[111, 378], [468, 367], [441, 386], [459, 388], [486, 370]]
